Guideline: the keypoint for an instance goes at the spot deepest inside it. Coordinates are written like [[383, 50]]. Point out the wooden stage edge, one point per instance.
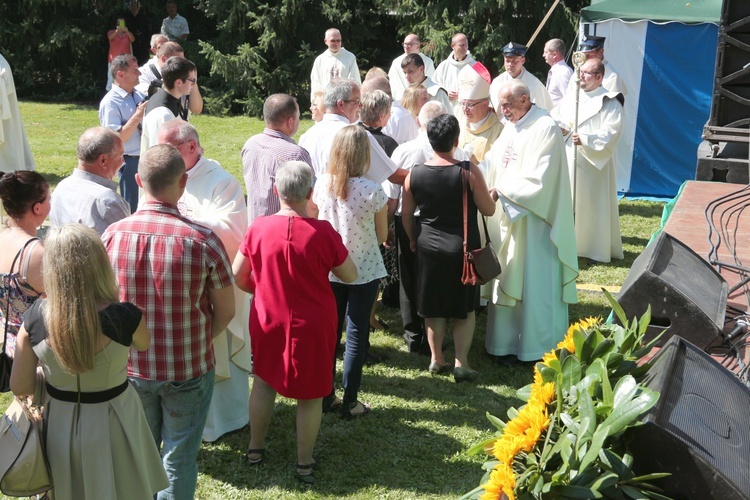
[[688, 223]]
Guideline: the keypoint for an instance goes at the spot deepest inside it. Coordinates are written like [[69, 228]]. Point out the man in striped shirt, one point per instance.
[[263, 153]]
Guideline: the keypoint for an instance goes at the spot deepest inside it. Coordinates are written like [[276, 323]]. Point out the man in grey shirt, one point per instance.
[[89, 195]]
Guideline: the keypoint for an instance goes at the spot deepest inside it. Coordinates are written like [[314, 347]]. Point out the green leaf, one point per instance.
[[613, 462], [604, 481], [625, 367], [587, 415], [588, 346], [570, 423], [616, 307], [585, 478], [625, 390], [633, 492], [596, 445], [625, 414], [579, 338], [644, 321], [549, 373], [613, 360], [524, 392], [649, 477], [603, 348], [479, 447], [496, 422], [571, 372], [567, 491]]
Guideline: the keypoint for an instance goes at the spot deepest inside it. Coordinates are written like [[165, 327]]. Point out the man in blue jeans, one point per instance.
[[179, 274]]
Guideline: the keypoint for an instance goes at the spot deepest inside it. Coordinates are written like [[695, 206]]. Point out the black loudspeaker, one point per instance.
[[686, 294], [698, 431]]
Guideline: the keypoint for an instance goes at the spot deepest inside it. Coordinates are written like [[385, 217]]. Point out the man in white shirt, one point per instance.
[[447, 71], [174, 26], [514, 57], [342, 103], [559, 73], [413, 69], [411, 45], [336, 62]]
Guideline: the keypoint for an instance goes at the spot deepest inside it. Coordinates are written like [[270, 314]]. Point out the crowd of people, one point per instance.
[[179, 276]]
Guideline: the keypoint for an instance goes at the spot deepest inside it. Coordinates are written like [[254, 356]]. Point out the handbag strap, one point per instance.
[[7, 298], [465, 181]]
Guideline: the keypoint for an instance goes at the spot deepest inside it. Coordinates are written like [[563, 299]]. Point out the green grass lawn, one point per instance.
[[413, 445]]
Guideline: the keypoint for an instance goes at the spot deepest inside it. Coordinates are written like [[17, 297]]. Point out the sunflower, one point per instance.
[[502, 480]]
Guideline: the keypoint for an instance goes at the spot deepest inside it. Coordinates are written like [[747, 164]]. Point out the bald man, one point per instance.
[[412, 45], [446, 74], [336, 62]]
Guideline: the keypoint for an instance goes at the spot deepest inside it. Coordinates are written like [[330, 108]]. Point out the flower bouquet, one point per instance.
[[569, 440]]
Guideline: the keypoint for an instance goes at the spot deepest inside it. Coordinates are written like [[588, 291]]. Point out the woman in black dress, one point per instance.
[[436, 187]]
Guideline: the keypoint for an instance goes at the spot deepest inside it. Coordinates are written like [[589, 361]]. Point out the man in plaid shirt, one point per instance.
[[178, 273]]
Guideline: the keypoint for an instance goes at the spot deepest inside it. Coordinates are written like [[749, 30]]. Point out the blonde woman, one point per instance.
[[317, 107], [356, 208], [413, 100], [98, 441]]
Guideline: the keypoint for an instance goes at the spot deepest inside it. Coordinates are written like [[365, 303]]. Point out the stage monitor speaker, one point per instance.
[[686, 294], [699, 429]]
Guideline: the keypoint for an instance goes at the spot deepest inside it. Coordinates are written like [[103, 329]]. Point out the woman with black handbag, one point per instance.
[[26, 200], [437, 187]]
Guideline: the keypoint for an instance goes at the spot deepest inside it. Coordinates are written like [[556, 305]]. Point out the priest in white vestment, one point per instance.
[[480, 126], [532, 230], [15, 153], [514, 57], [335, 62], [411, 45], [214, 198], [446, 74], [593, 172]]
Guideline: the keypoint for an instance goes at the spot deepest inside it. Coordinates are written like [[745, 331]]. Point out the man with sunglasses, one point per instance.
[[179, 76], [591, 150]]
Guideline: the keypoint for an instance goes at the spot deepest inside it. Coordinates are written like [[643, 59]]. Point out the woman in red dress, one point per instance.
[[284, 260]]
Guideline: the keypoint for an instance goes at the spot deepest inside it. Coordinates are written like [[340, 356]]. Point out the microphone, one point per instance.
[[740, 327]]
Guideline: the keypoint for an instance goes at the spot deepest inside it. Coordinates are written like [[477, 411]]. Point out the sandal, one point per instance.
[[331, 403], [256, 451], [308, 477], [346, 410]]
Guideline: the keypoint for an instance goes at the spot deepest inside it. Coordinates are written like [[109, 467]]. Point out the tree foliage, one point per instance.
[[248, 49]]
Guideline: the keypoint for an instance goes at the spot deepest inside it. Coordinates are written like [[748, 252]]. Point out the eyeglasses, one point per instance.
[[192, 80], [470, 105], [357, 102], [409, 44], [589, 73]]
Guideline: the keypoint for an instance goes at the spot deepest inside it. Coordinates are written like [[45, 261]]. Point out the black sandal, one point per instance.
[[257, 451], [307, 477], [346, 410]]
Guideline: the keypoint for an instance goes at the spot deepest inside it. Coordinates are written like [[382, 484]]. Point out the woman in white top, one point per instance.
[[356, 208]]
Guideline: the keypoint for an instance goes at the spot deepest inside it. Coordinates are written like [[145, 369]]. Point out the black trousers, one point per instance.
[[407, 270]]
